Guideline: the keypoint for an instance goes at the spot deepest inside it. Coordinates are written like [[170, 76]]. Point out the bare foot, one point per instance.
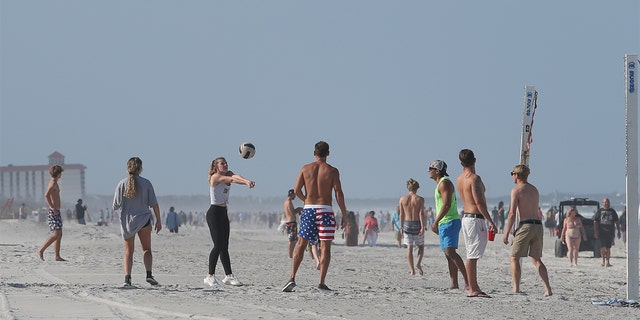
[[609, 265], [41, 255], [548, 294], [454, 286], [419, 267], [412, 272], [479, 294], [60, 259]]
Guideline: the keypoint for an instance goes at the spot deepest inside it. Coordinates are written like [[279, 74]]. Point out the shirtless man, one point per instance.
[[291, 222], [474, 227], [317, 220], [529, 235], [54, 219], [411, 209]]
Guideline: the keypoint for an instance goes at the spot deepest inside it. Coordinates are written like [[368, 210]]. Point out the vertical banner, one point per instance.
[[529, 110], [631, 66], [530, 105]]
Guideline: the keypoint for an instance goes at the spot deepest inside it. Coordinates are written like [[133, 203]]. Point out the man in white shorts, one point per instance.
[[411, 209], [475, 218]]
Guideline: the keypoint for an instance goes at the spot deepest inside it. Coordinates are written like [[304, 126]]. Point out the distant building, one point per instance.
[[28, 183]]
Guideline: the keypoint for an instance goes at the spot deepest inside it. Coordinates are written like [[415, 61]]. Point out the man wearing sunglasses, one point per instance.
[[527, 238]]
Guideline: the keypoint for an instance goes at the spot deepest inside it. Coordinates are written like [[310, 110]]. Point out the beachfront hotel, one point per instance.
[[27, 183]]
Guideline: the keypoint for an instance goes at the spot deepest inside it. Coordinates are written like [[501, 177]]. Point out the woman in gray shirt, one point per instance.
[[134, 196]]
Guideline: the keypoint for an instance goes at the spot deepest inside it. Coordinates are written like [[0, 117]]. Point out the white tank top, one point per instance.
[[220, 193]]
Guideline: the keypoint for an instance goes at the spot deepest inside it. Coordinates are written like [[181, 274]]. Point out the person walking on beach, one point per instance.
[[172, 222], [550, 222], [80, 212], [431, 217], [412, 215], [603, 228], [371, 229], [475, 219], [494, 214], [291, 221], [54, 219], [501, 216], [134, 196], [397, 226], [317, 220], [528, 237], [351, 230], [22, 212], [220, 180], [572, 232], [447, 222]]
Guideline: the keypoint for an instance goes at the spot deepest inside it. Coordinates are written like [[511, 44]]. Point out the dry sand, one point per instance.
[[368, 282]]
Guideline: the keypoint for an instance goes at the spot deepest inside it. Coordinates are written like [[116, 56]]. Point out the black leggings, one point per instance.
[[218, 222]]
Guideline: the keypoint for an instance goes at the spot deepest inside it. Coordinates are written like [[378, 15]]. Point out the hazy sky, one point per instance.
[[391, 85]]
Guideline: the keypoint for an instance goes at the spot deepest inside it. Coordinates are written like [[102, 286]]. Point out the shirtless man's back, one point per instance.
[[319, 179], [412, 214], [472, 191], [412, 207], [475, 218], [317, 221]]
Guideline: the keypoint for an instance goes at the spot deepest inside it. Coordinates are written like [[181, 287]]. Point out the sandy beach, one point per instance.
[[367, 282]]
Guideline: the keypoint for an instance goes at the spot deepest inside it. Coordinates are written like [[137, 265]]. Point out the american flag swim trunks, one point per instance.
[[317, 222]]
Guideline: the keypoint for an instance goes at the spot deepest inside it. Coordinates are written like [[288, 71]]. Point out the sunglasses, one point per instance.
[[512, 173]]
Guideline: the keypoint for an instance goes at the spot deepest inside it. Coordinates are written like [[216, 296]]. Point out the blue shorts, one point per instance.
[[449, 234]]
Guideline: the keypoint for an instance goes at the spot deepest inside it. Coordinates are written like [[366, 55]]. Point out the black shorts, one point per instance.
[[606, 239]]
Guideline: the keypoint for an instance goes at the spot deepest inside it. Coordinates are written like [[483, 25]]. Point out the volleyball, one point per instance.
[[247, 150]]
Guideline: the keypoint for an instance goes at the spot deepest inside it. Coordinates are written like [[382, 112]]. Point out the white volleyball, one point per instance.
[[247, 150]]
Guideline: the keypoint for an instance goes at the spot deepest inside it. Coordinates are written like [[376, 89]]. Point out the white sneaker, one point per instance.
[[211, 280], [231, 281]]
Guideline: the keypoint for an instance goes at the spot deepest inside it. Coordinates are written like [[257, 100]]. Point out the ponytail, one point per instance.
[[134, 167]]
